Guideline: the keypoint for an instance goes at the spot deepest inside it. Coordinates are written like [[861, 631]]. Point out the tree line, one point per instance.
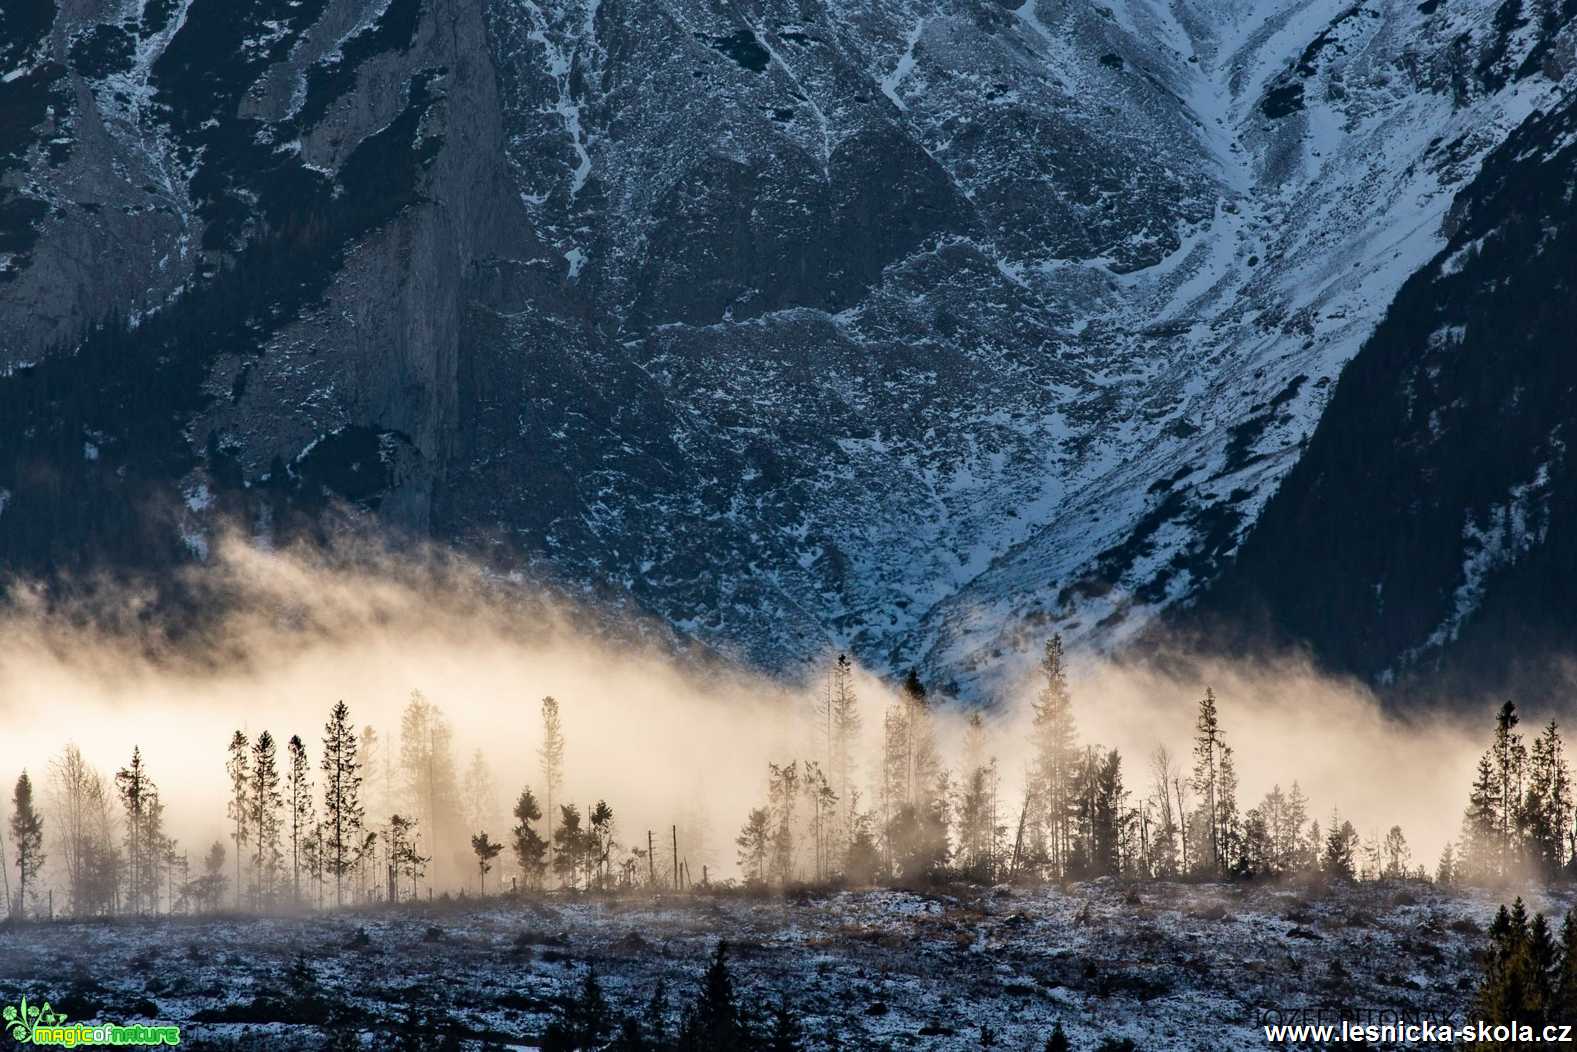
[[1076, 816], [352, 818]]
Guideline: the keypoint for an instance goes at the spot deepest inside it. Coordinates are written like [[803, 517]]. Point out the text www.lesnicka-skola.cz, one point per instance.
[[1418, 1033]]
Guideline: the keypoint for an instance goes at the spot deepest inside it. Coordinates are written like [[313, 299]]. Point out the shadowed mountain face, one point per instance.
[[923, 328], [1430, 524]]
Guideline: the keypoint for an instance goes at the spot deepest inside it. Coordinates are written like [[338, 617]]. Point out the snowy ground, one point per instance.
[[1170, 966]]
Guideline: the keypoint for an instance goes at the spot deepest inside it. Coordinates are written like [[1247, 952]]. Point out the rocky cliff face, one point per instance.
[[1428, 528], [920, 327]]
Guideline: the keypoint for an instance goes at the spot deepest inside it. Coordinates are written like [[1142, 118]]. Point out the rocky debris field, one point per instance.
[[1167, 966]]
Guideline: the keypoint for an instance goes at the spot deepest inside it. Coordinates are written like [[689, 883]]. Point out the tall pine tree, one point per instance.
[[263, 804], [342, 811], [27, 839]]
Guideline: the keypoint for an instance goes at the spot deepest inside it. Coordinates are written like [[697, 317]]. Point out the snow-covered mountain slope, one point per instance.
[[1462, 402], [920, 327]]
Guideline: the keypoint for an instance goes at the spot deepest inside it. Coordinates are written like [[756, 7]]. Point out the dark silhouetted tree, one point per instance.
[[302, 813], [238, 767], [530, 848], [263, 805], [27, 840], [342, 813], [485, 850]]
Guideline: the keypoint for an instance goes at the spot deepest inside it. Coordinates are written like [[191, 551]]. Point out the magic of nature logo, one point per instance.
[[40, 1024]]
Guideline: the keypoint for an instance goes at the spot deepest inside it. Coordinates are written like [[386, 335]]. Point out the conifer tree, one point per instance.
[[581, 1023], [1522, 970], [844, 714], [404, 854], [785, 1034], [824, 808], [1108, 814], [1509, 758], [977, 804], [551, 758], [342, 811], [599, 842], [486, 849], [1395, 854], [27, 839], [263, 804], [530, 848], [715, 1022], [480, 796], [1215, 783], [1563, 993], [1296, 851], [238, 767], [782, 803], [1056, 760], [1481, 857], [569, 846], [1341, 846], [376, 776], [754, 842], [302, 816], [139, 798], [1258, 856], [431, 785], [1547, 805], [922, 764], [206, 891]]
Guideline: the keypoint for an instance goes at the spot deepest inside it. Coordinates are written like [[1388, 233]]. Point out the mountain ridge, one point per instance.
[[922, 329]]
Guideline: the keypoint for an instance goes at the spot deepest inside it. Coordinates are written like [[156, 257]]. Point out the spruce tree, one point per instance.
[[485, 849], [431, 785], [1563, 994], [1509, 759], [238, 767], [27, 839], [479, 794], [845, 728], [551, 759], [754, 842], [715, 1022], [583, 1022], [302, 817], [569, 846], [1215, 784], [785, 1034], [1295, 852], [1480, 859], [530, 847], [263, 803], [1395, 854], [132, 784], [1547, 804], [342, 811], [1056, 760], [1341, 845]]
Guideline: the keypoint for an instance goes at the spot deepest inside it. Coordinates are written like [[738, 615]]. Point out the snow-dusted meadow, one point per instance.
[[1170, 966]]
